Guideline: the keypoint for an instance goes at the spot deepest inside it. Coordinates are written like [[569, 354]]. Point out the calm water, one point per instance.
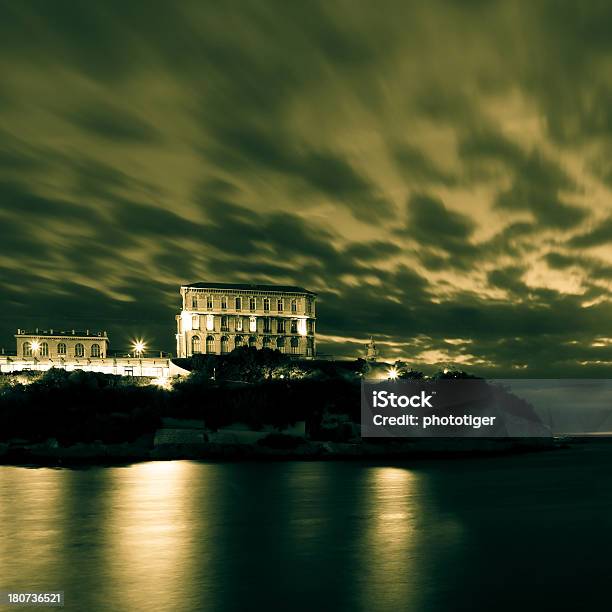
[[529, 532]]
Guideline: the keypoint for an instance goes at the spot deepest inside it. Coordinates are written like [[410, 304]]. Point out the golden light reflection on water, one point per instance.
[[387, 579], [151, 534], [32, 521]]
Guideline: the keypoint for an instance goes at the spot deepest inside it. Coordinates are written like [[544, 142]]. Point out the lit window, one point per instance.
[[61, 348], [238, 303], [209, 302], [224, 303], [238, 323], [195, 322], [210, 344], [95, 350], [196, 345], [252, 324], [44, 349], [79, 350], [27, 349], [266, 304], [252, 303], [210, 322]]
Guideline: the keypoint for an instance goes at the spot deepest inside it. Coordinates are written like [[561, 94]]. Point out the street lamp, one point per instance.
[[139, 346], [392, 373]]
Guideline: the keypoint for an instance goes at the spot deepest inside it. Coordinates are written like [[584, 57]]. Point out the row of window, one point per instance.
[[196, 343], [252, 301], [267, 324], [43, 349]]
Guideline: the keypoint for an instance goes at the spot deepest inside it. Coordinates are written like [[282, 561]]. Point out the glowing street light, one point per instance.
[[139, 347], [392, 373], [35, 346]]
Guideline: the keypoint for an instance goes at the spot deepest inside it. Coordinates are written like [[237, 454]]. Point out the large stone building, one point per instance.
[[61, 344], [218, 317]]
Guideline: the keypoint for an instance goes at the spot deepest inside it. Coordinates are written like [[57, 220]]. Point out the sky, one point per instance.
[[439, 172]]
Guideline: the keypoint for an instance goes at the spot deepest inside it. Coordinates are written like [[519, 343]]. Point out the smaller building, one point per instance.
[[55, 344], [43, 350]]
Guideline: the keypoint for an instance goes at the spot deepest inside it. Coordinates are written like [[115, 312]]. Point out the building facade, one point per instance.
[[217, 317], [42, 350], [67, 345]]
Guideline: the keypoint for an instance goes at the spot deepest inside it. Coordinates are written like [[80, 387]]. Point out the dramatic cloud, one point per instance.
[[437, 172]]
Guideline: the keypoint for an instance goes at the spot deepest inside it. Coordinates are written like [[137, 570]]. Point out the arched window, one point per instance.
[[27, 349], [79, 350], [266, 304], [210, 344], [295, 343], [279, 304], [293, 305], [238, 303], [224, 302], [238, 341], [267, 342], [224, 344], [95, 350], [61, 348], [196, 345], [44, 349], [252, 341], [280, 344], [252, 303]]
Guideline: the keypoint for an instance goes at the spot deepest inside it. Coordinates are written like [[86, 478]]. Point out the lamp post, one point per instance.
[[139, 348]]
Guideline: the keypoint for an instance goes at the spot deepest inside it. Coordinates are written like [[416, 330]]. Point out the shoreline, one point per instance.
[[43, 454]]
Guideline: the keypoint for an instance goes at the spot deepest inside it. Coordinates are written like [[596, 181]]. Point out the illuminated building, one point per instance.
[[218, 317], [42, 350], [54, 344]]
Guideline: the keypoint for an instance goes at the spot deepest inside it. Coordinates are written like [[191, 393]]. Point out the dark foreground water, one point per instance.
[[513, 533]]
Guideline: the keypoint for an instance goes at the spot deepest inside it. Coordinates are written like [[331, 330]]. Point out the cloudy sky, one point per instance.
[[439, 172]]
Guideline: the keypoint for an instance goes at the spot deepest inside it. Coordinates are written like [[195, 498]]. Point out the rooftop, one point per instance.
[[249, 287], [88, 333]]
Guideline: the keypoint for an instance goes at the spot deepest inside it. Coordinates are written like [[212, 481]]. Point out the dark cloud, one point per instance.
[[114, 123], [143, 147], [599, 235], [417, 168], [325, 172]]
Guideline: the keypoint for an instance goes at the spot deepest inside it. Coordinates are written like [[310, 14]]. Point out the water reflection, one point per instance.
[[388, 574], [150, 534], [31, 525], [190, 536]]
